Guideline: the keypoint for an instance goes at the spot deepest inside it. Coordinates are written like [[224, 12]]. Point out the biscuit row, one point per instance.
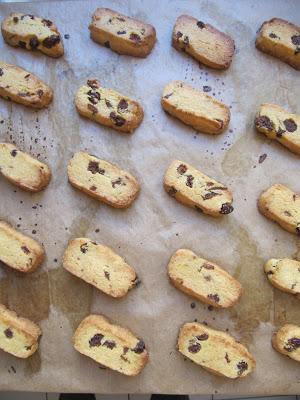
[[126, 35]]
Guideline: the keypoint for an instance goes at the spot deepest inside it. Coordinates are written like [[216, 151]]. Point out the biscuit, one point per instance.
[[215, 351], [195, 108], [110, 345], [287, 341], [23, 170], [122, 34], [19, 251], [102, 180], [32, 33], [281, 39], [100, 266], [282, 205], [21, 86], [203, 279], [18, 336], [284, 274], [196, 190], [277, 123], [203, 42], [108, 107]]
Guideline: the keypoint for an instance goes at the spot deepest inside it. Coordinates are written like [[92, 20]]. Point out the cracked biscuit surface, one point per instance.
[[122, 34], [32, 33]]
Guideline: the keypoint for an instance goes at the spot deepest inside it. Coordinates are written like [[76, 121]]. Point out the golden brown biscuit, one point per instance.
[[19, 251], [284, 274], [32, 33], [195, 108], [203, 279], [122, 34], [196, 190], [108, 107], [282, 205], [216, 351], [100, 266], [21, 86], [110, 345], [23, 170], [281, 39], [279, 124], [102, 180], [287, 341], [18, 336], [203, 42]]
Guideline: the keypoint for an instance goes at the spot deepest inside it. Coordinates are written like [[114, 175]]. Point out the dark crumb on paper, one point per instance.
[[67, 36], [193, 305], [262, 158], [97, 230], [210, 308]]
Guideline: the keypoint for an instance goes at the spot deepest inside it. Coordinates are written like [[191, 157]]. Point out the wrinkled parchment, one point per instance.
[[155, 226]]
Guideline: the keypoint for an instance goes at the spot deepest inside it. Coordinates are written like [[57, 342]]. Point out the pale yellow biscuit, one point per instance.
[[19, 251], [21, 86], [279, 124], [195, 108], [100, 266], [23, 170], [287, 341], [215, 351], [122, 34], [102, 180], [18, 336], [108, 107], [196, 190], [110, 345], [203, 42], [32, 33], [284, 274], [282, 205], [203, 279], [281, 39]]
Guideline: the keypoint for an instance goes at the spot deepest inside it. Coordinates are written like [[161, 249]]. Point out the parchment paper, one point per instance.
[[156, 225]]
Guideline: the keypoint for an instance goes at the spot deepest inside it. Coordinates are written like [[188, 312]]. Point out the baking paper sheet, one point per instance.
[[156, 225]]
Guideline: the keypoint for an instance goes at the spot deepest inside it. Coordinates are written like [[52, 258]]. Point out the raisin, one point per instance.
[[207, 89], [16, 20], [168, 95], [280, 132], [27, 15], [182, 169], [189, 181], [194, 348], [208, 266], [179, 35], [242, 366], [40, 93], [8, 333], [139, 348], [293, 344], [25, 249], [290, 124], [93, 188], [200, 24], [1, 72], [33, 43], [214, 297], [204, 336], [135, 37], [51, 41], [107, 44], [93, 167], [84, 248], [116, 182], [96, 340], [93, 83], [296, 40], [123, 105], [22, 44], [107, 275], [227, 358], [287, 213], [47, 22], [121, 19], [121, 32], [273, 35], [118, 120], [110, 344], [186, 41], [226, 208], [94, 97], [264, 122], [210, 195], [13, 153], [262, 158], [92, 108], [108, 103], [297, 50], [172, 191]]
